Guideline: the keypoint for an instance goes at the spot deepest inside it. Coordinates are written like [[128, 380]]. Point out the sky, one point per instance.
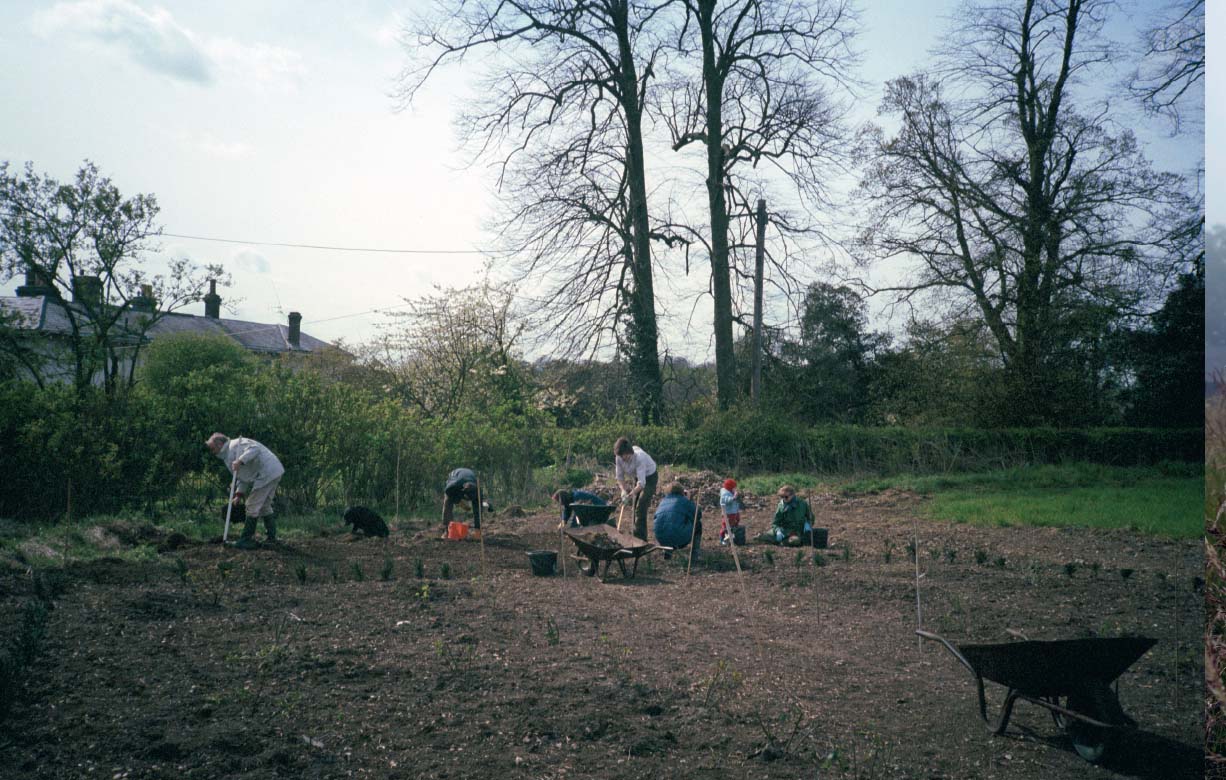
[[274, 122]]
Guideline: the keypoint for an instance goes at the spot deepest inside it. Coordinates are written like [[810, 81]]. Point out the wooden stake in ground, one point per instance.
[[919, 615], [693, 536], [480, 534], [735, 557]]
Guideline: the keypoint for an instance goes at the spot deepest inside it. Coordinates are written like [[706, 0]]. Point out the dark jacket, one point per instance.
[[674, 521], [455, 484], [791, 516]]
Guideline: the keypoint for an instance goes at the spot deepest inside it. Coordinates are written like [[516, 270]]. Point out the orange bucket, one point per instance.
[[457, 531]]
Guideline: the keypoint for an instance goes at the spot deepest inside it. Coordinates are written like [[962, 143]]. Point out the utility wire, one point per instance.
[[334, 248]]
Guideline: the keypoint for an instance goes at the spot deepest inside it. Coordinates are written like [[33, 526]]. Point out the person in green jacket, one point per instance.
[[793, 521]]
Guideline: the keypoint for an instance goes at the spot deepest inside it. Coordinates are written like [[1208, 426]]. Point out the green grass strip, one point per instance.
[[1165, 500]]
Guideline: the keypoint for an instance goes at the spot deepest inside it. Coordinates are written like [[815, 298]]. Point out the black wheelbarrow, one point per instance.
[[591, 514], [1071, 678], [604, 544]]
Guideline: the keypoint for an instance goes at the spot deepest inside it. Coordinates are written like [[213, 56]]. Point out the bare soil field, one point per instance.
[[302, 660]]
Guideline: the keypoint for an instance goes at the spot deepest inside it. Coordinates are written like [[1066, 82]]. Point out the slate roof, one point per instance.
[[39, 314]]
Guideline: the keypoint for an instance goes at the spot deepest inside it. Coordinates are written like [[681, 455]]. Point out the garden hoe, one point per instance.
[[225, 534]]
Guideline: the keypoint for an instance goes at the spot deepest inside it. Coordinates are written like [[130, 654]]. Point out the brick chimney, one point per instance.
[[295, 328], [212, 301], [87, 289], [144, 302], [35, 285]]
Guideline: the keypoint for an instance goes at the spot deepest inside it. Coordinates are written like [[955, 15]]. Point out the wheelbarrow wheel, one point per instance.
[[1090, 742]]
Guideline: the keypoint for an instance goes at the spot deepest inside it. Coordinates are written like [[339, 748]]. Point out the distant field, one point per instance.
[[1166, 500]]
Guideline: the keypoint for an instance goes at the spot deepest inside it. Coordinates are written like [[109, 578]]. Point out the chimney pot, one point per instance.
[[212, 301], [295, 329]]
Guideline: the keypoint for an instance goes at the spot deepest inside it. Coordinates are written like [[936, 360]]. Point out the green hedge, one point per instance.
[[747, 443], [342, 445]]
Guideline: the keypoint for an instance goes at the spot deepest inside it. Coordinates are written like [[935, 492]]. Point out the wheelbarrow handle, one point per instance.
[[948, 646]]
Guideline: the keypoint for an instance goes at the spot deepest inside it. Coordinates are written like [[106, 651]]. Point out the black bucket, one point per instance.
[[543, 562], [820, 538]]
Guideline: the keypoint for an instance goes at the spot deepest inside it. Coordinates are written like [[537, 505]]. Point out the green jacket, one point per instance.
[[791, 516]]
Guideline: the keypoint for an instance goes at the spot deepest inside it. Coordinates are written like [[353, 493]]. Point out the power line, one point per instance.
[[333, 248]]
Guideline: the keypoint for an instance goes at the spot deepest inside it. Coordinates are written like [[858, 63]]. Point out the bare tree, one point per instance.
[[1171, 70], [559, 63], [449, 350], [57, 234], [1013, 203], [764, 94]]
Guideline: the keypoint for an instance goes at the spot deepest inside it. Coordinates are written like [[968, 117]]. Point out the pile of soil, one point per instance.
[[416, 657]]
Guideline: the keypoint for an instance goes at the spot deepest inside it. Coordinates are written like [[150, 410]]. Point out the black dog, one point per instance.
[[366, 521]]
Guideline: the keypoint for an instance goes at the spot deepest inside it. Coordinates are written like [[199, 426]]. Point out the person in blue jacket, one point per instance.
[[568, 497], [674, 520]]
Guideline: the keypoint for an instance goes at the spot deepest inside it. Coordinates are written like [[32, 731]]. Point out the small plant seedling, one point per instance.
[[257, 573], [1070, 568], [335, 572], [1125, 573], [819, 560], [887, 551], [846, 551], [769, 556], [389, 566], [981, 557], [446, 571], [419, 569], [800, 558], [358, 574], [181, 569], [224, 568], [1095, 567], [300, 571], [934, 553], [911, 550], [1000, 561], [951, 555], [551, 631], [423, 594]]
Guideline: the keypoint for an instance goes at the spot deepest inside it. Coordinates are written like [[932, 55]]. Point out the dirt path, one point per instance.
[[153, 672]]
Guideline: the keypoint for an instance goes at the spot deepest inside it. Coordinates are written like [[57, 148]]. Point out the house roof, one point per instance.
[[40, 314]]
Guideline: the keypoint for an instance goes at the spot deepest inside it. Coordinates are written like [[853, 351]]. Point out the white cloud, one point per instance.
[[226, 150], [258, 64], [153, 39], [251, 261]]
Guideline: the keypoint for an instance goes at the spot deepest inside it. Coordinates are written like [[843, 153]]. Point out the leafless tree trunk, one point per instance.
[[565, 64], [1018, 200], [769, 69]]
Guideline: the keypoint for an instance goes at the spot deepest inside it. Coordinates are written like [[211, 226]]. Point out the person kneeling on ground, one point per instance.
[[675, 521], [568, 497], [793, 518], [258, 472], [462, 486]]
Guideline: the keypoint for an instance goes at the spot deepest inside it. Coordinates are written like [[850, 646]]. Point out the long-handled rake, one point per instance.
[[225, 535]]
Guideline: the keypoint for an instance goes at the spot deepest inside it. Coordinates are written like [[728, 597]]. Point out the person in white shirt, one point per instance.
[[258, 473], [635, 472]]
